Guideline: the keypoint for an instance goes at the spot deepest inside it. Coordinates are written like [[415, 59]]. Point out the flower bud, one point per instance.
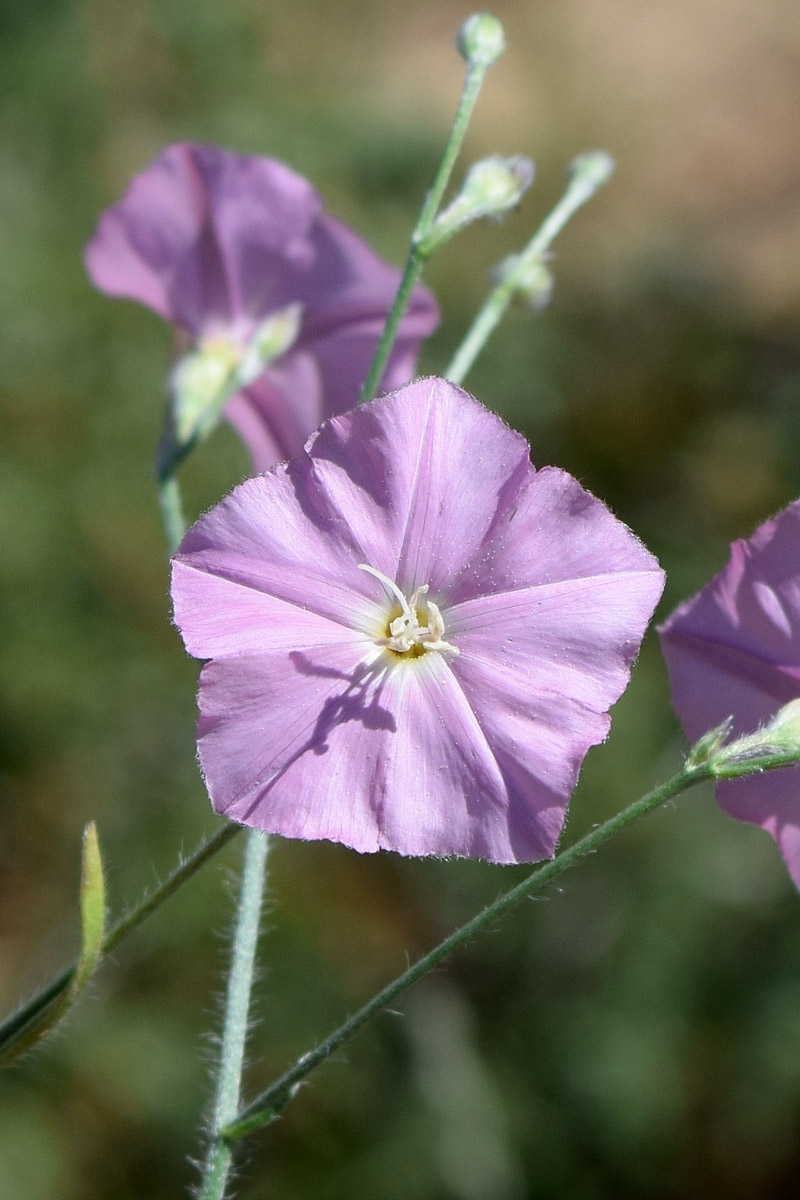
[[775, 744], [709, 744], [532, 279], [492, 187], [496, 185], [588, 172], [481, 40]]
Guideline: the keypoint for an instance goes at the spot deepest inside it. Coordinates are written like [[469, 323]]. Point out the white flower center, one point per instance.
[[406, 633]]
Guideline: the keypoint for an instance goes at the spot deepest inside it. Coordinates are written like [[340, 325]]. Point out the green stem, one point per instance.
[[16, 1025], [219, 1159], [476, 73], [237, 1006], [494, 307], [418, 255], [486, 321], [169, 499], [276, 1097], [411, 274]]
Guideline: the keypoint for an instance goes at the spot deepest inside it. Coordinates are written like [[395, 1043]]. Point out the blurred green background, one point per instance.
[[637, 1032]]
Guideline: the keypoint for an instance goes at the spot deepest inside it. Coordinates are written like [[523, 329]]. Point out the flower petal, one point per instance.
[[256, 572], [539, 738], [346, 284], [576, 638], [548, 530], [200, 236], [265, 719], [421, 479], [276, 414], [406, 766]]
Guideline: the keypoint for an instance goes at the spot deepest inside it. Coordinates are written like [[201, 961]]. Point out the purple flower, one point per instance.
[[733, 650], [216, 243], [414, 636]]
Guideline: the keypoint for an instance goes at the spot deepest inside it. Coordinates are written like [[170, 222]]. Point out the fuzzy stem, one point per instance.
[[418, 255], [237, 1005], [216, 1170], [276, 1097]]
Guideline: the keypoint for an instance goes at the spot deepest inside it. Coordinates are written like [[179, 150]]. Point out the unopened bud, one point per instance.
[[775, 744], [532, 279], [709, 744], [481, 40], [492, 187], [496, 185], [588, 172]]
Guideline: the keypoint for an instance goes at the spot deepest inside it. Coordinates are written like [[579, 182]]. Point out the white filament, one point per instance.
[[405, 631]]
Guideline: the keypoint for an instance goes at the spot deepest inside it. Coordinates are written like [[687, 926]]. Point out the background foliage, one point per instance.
[[637, 1035]]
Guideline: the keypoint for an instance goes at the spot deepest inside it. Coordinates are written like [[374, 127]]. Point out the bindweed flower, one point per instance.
[[414, 635], [733, 650], [236, 252]]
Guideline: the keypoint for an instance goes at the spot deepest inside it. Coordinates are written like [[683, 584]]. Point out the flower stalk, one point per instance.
[[473, 48], [219, 1158], [525, 273], [237, 1008]]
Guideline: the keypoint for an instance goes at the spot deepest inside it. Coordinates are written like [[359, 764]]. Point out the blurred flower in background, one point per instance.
[[235, 250]]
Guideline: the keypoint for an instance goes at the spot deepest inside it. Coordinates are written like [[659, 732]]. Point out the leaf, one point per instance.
[[93, 912], [93, 923]]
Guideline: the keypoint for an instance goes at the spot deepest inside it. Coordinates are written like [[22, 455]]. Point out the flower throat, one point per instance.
[[409, 633]]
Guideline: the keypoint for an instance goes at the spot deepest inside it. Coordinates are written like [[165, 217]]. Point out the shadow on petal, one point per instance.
[[358, 701]]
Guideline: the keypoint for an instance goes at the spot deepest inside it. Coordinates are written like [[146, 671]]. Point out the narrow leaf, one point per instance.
[[93, 911], [93, 919]]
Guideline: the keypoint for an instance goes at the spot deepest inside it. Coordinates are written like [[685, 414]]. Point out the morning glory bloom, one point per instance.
[[234, 250], [414, 636], [733, 650]]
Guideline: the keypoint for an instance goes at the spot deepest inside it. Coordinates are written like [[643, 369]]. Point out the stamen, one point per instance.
[[405, 631]]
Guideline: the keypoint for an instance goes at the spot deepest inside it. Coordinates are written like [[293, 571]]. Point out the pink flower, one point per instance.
[[414, 636], [733, 650], [217, 242]]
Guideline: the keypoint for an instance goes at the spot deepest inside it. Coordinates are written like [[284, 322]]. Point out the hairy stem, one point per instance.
[[237, 1007], [219, 1159]]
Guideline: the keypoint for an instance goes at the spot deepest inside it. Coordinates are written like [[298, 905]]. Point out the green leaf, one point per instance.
[[93, 912], [93, 923]]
